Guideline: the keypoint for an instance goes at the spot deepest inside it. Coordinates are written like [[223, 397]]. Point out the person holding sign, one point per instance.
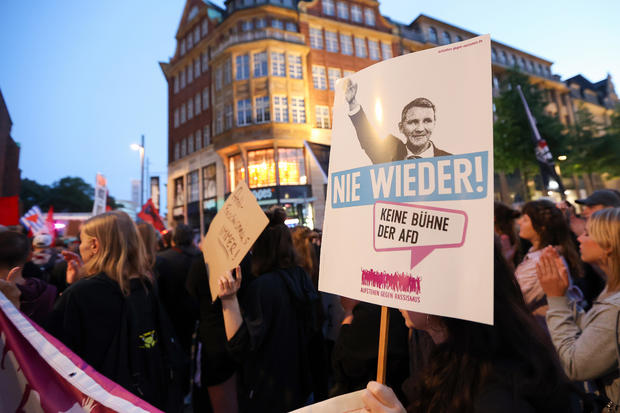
[[270, 332], [587, 343], [506, 367], [417, 123]]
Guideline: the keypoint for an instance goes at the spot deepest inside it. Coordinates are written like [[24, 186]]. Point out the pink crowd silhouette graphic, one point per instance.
[[400, 282]]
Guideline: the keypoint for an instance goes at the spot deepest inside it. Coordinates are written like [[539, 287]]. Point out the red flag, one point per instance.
[[9, 210], [49, 221], [150, 214]]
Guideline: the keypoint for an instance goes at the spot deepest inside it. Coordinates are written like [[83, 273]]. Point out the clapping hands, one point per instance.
[[552, 273]]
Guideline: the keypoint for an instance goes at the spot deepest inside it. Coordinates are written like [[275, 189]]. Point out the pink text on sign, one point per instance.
[[418, 228]]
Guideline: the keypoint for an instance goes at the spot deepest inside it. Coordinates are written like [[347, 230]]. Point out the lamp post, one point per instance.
[[140, 148]]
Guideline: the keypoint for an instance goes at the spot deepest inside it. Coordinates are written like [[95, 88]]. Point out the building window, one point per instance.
[[205, 61], [277, 24], [298, 110], [197, 104], [493, 54], [183, 147], [261, 23], [334, 74], [176, 118], [190, 74], [260, 64], [318, 77], [190, 109], [262, 109], [219, 121], [244, 112], [369, 15], [291, 27], [209, 183], [346, 45], [291, 166], [512, 60], [432, 35], [360, 47], [182, 78], [331, 41], [373, 50], [179, 193], [445, 37], [206, 136], [294, 66], [246, 25], [218, 78], [196, 34], [228, 71], [343, 10], [193, 193], [176, 151], [243, 66], [182, 47], [205, 98], [322, 117], [176, 84], [503, 58], [190, 43], [196, 67], [190, 144], [347, 73], [280, 109], [261, 168], [356, 13], [237, 171], [328, 7], [204, 27], [183, 114], [316, 38], [521, 63], [198, 138], [386, 50], [228, 116], [278, 65]]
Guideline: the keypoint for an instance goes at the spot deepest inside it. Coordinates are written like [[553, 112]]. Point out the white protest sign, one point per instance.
[[346, 403], [101, 194], [232, 233], [409, 210]]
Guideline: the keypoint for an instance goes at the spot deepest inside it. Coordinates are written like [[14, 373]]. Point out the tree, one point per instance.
[[512, 134], [69, 194]]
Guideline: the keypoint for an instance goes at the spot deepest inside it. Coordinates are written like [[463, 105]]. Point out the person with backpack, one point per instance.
[[270, 326], [111, 317]]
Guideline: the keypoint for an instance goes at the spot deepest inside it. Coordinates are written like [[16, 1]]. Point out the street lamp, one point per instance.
[[140, 148]]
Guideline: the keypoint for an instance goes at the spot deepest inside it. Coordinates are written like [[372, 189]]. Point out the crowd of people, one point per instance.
[[138, 308]]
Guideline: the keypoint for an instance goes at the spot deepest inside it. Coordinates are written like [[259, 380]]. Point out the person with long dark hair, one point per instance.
[[587, 342], [543, 224], [269, 333], [506, 367]]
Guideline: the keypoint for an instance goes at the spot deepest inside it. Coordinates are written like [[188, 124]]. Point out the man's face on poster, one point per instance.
[[417, 125]]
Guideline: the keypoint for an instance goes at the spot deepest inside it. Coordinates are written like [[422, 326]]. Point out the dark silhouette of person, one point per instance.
[[417, 124]]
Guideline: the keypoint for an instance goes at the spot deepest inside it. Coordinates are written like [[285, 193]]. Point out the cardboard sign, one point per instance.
[[232, 233], [347, 403], [409, 210]]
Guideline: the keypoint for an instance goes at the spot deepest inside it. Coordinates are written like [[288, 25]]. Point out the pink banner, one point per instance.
[[39, 374]]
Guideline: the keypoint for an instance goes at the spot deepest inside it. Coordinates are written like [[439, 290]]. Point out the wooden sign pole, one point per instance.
[[383, 344]]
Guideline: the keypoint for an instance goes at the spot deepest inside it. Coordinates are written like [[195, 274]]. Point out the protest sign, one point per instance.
[[232, 233], [408, 217], [39, 374], [347, 403], [101, 194]]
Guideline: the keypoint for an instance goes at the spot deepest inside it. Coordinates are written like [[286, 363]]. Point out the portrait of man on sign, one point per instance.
[[417, 122]]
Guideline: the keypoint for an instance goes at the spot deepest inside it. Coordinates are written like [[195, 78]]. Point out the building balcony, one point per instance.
[[260, 34]]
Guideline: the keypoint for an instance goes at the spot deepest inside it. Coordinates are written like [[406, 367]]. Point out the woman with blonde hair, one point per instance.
[[587, 342], [111, 307]]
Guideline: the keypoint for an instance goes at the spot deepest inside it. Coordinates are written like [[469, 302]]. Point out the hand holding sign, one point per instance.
[[231, 234]]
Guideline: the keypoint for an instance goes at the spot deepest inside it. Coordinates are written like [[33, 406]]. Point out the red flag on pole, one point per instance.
[[9, 210], [150, 214], [49, 221]]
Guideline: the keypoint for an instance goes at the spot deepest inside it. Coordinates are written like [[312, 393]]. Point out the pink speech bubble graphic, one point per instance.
[[418, 228]]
